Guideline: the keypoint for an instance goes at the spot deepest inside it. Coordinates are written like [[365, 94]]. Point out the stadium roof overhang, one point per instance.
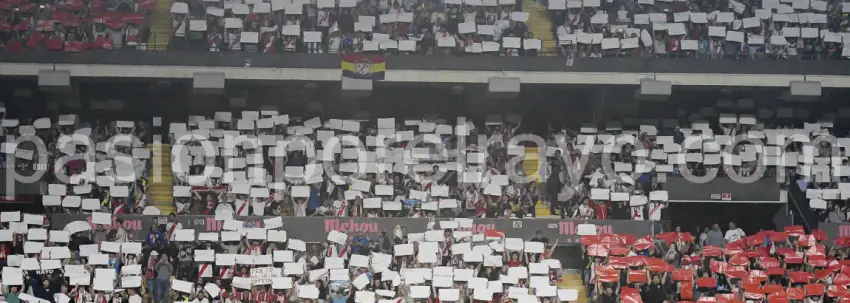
[[434, 69]]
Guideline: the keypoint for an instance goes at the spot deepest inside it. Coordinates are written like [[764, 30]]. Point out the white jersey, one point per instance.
[[655, 211], [258, 208], [340, 208], [733, 235], [205, 270], [170, 227], [241, 207], [584, 212], [226, 272], [636, 213]]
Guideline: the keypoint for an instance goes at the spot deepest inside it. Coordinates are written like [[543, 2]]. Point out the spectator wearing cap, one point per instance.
[[360, 244], [150, 274]]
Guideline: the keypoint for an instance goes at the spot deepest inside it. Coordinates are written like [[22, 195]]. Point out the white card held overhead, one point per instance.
[[10, 216], [101, 218], [658, 195]]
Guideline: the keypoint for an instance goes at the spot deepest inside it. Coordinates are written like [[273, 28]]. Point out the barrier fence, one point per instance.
[[315, 229]]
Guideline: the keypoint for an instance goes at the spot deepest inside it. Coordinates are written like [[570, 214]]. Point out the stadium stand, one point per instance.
[[73, 26], [729, 29], [390, 219], [101, 261], [256, 169], [114, 179], [809, 30]]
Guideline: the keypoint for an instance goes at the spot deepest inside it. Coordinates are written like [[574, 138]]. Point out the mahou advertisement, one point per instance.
[[316, 229]]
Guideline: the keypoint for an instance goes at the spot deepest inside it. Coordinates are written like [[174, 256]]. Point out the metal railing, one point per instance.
[[195, 42]]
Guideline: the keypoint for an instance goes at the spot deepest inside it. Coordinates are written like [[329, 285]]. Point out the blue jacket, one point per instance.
[[155, 239], [357, 249]]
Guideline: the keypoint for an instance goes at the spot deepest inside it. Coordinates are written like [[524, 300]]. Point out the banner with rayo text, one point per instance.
[[316, 229]]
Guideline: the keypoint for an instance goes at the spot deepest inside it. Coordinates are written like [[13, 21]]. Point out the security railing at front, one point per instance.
[[197, 42]]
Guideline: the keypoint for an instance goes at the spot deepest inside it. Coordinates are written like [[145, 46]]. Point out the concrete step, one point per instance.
[[573, 281], [541, 211], [162, 198]]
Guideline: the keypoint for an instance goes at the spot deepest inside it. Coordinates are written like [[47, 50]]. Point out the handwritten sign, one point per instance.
[[263, 275]]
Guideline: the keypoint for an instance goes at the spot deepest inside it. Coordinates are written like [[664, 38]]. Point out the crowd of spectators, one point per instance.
[[257, 167], [395, 27], [802, 29], [96, 262], [75, 25], [257, 175], [103, 262], [769, 266], [108, 173]]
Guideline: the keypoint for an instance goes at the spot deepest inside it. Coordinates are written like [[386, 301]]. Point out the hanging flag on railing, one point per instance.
[[361, 66]]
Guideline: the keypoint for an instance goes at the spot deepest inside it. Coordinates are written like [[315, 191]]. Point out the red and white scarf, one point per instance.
[[117, 207], [212, 39], [210, 207], [235, 43], [139, 201], [576, 20], [447, 249], [150, 270], [80, 297], [271, 45]]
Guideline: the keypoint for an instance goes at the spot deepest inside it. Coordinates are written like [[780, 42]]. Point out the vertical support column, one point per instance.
[[598, 99]]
